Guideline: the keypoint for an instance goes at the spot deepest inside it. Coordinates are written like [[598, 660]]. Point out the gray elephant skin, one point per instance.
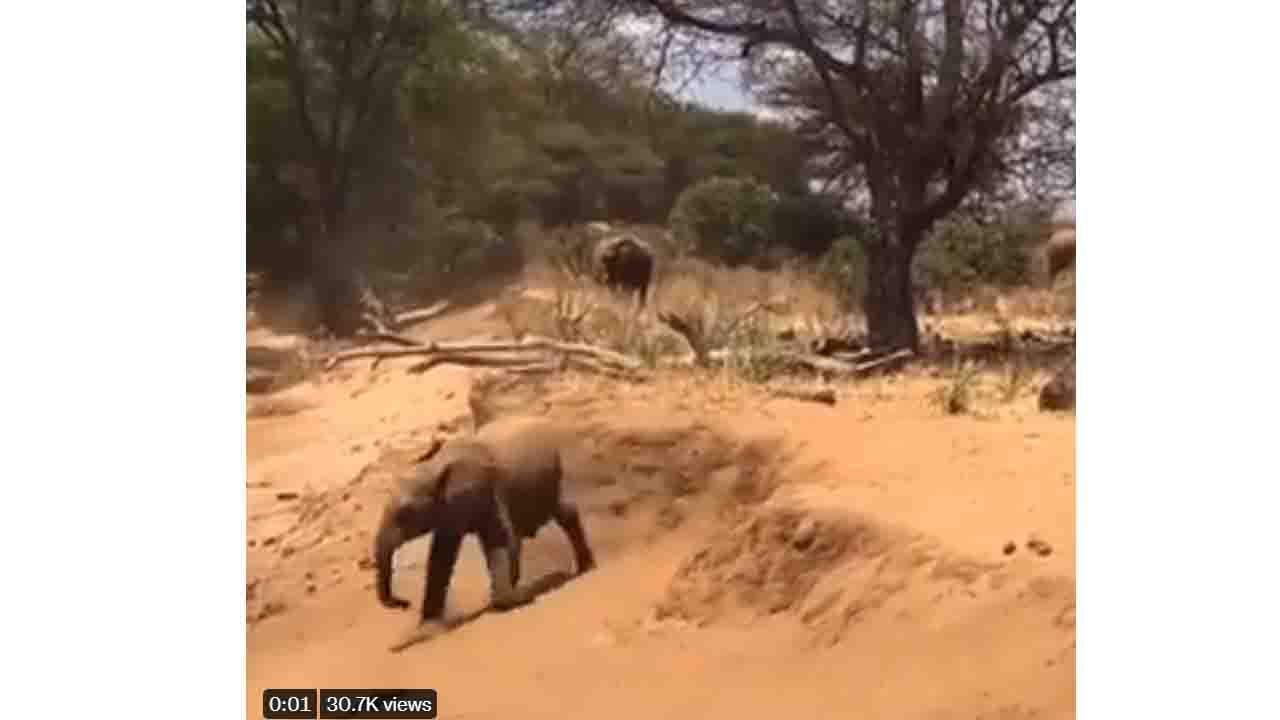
[[502, 484], [625, 263]]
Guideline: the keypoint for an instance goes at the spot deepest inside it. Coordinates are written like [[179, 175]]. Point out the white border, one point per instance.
[[124, 212], [1177, 135], [124, 198]]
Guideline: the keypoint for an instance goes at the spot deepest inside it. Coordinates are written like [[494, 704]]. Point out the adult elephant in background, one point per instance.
[[1060, 252], [625, 263]]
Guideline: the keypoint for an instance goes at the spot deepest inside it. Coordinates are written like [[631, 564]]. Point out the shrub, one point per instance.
[[808, 224], [843, 270], [961, 254], [457, 254], [725, 219]]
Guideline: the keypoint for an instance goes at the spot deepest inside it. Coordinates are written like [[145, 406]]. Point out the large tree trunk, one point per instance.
[[346, 300], [889, 303]]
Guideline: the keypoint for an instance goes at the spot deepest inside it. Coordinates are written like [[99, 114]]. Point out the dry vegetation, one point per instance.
[[728, 327]]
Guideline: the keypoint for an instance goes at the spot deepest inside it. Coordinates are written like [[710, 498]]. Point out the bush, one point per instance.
[[458, 254], [843, 270], [962, 254], [808, 224], [725, 219]]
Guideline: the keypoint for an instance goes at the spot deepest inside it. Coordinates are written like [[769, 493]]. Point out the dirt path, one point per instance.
[[873, 583]]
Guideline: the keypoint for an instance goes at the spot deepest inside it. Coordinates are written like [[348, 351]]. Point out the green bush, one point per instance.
[[961, 254], [456, 254], [843, 270], [808, 224], [725, 219]]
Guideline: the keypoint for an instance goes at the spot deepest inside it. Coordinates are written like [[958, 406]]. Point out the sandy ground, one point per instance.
[[872, 559]]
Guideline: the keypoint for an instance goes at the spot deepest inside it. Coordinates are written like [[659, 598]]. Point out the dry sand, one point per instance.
[[874, 559]]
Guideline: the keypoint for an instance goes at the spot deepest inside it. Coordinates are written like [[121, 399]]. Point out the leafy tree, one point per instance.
[[348, 67], [726, 219], [914, 108]]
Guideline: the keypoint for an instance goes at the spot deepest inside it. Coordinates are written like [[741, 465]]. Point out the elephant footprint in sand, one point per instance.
[[502, 484]]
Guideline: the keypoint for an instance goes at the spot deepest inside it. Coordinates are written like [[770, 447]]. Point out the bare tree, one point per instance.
[[921, 105]]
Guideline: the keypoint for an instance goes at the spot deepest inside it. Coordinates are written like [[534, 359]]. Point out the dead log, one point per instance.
[[402, 341], [826, 396], [503, 354], [420, 315], [827, 366]]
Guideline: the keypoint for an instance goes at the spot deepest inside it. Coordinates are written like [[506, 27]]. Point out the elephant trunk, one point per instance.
[[389, 538]]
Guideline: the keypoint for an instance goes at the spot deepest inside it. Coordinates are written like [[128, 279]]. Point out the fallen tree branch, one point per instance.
[[420, 315], [826, 396], [465, 360], [827, 366], [481, 354], [402, 341], [892, 358]]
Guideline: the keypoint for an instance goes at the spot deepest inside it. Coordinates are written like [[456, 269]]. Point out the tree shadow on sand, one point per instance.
[[528, 594]]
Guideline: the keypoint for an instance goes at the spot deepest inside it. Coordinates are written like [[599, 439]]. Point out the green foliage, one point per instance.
[[725, 219], [499, 132], [843, 269], [962, 253], [460, 253], [808, 224]]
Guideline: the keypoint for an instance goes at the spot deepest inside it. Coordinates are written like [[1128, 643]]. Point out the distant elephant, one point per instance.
[[624, 262], [503, 484], [1060, 252]]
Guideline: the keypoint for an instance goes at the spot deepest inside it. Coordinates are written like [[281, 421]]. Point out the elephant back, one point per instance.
[[618, 248], [528, 451]]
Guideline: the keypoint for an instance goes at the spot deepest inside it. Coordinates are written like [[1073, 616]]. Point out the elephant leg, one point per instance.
[[440, 565], [516, 544], [501, 547], [569, 520]]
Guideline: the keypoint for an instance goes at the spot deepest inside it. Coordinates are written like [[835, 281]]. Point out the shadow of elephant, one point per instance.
[[423, 633]]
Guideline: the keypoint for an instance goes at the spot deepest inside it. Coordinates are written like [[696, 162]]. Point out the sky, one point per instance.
[[720, 90]]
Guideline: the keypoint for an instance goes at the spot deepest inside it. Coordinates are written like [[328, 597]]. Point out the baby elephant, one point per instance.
[[503, 484]]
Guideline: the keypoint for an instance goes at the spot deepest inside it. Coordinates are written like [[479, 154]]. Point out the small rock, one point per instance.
[[311, 588], [253, 543], [1039, 546], [1010, 547], [357, 507], [365, 564], [269, 541], [271, 607], [286, 551], [309, 575], [806, 531], [357, 448], [287, 495], [618, 508]]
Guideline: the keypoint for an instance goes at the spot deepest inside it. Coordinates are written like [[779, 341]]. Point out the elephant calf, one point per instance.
[[502, 484]]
